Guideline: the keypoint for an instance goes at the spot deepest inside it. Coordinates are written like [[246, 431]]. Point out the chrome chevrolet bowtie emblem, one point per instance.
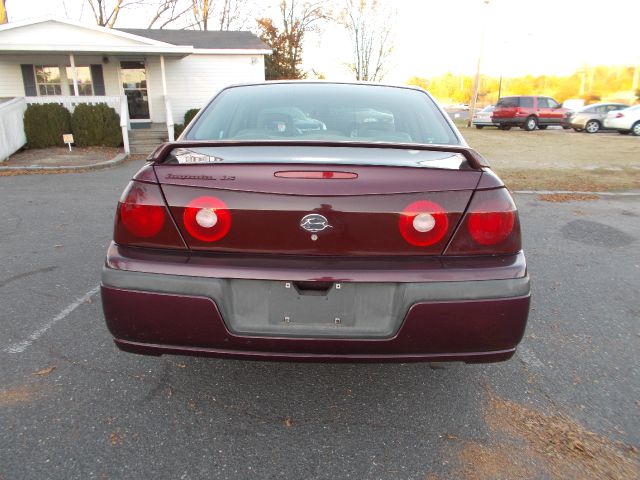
[[314, 222]]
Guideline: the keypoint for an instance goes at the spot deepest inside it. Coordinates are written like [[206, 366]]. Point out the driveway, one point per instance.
[[72, 406]]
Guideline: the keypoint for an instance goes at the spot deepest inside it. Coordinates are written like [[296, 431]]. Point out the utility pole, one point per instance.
[[4, 18], [476, 83]]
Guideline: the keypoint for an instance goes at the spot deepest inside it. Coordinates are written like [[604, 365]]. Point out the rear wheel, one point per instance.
[[592, 126], [530, 124], [635, 129], [479, 127], [543, 127], [504, 127]]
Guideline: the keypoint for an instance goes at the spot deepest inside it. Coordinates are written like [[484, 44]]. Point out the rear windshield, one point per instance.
[[508, 102], [323, 112], [515, 102]]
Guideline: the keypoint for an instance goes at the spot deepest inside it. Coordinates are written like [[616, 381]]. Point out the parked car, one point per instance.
[[624, 121], [483, 119], [394, 244], [527, 112], [590, 118]]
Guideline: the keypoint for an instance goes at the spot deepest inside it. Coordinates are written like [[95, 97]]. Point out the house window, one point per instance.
[[85, 85], [48, 80]]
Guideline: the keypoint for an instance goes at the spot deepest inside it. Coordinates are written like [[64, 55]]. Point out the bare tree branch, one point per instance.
[[369, 23]]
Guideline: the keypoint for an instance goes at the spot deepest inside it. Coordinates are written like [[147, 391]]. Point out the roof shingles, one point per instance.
[[202, 39]]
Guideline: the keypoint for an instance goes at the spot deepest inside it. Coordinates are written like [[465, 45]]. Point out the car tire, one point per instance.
[[635, 129], [579, 129], [479, 127], [504, 127], [592, 126], [530, 124], [543, 127]]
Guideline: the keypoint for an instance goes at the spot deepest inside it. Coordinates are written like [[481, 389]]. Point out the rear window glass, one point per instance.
[[323, 112], [509, 102]]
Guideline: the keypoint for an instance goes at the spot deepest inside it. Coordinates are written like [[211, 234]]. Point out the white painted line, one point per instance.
[[529, 358], [22, 346]]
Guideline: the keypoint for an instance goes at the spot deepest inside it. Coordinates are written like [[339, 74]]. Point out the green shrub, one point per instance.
[[178, 128], [45, 124], [96, 125], [189, 114]]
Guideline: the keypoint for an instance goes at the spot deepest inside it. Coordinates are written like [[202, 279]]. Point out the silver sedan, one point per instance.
[[591, 118]]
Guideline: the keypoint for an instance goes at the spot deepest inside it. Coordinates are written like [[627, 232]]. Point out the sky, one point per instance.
[[433, 37]]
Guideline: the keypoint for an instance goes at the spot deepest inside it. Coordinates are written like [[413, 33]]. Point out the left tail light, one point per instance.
[[490, 226], [143, 220]]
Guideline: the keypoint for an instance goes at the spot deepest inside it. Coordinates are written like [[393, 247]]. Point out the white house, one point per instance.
[[148, 76]]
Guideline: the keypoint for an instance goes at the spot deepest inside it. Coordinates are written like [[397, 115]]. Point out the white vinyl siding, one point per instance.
[[11, 84], [193, 80]]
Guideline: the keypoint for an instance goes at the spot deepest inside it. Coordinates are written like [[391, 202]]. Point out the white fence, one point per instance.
[[12, 136], [70, 102]]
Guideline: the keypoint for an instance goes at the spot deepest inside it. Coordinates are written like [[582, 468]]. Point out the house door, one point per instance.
[[134, 84]]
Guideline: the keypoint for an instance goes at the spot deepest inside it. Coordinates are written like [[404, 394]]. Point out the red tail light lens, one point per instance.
[[490, 226], [142, 218], [207, 219], [423, 223]]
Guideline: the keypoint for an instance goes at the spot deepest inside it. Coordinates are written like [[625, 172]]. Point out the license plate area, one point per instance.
[[337, 310], [294, 303]]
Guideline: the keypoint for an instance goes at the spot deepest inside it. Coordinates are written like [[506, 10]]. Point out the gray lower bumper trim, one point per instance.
[[366, 310]]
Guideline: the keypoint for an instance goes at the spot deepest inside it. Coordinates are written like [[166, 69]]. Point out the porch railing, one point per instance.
[[70, 102], [12, 136]]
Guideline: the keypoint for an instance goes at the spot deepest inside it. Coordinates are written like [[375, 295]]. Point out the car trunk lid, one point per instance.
[[316, 200]]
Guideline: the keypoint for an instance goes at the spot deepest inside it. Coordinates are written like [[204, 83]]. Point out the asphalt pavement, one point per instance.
[[73, 407]]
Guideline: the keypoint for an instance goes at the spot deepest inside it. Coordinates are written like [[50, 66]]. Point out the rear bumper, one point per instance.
[[462, 320]]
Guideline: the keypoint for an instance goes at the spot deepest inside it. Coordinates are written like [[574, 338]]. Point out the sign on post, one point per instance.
[[68, 139]]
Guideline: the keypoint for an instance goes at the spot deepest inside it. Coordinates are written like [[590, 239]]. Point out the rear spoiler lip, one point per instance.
[[475, 160]]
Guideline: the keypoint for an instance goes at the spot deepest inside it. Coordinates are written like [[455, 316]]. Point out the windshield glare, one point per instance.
[[323, 112]]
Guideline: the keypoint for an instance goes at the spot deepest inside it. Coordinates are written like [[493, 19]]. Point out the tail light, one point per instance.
[[207, 219], [423, 223], [490, 226], [142, 218]]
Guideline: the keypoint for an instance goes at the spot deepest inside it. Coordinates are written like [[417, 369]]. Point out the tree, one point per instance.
[[168, 11], [369, 24], [297, 18], [106, 12], [4, 18], [221, 15]]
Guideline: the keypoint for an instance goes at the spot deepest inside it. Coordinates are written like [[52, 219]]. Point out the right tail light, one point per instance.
[[490, 226]]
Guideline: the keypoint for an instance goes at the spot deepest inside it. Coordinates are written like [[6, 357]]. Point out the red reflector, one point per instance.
[[423, 223], [207, 219], [314, 175], [141, 213]]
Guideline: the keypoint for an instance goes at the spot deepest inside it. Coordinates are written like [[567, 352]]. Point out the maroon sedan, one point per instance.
[[322, 222]]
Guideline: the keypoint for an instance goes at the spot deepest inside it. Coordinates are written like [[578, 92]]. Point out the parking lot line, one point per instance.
[[23, 345]]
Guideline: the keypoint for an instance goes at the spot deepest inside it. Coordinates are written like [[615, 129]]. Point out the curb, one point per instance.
[[118, 159], [574, 192]]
